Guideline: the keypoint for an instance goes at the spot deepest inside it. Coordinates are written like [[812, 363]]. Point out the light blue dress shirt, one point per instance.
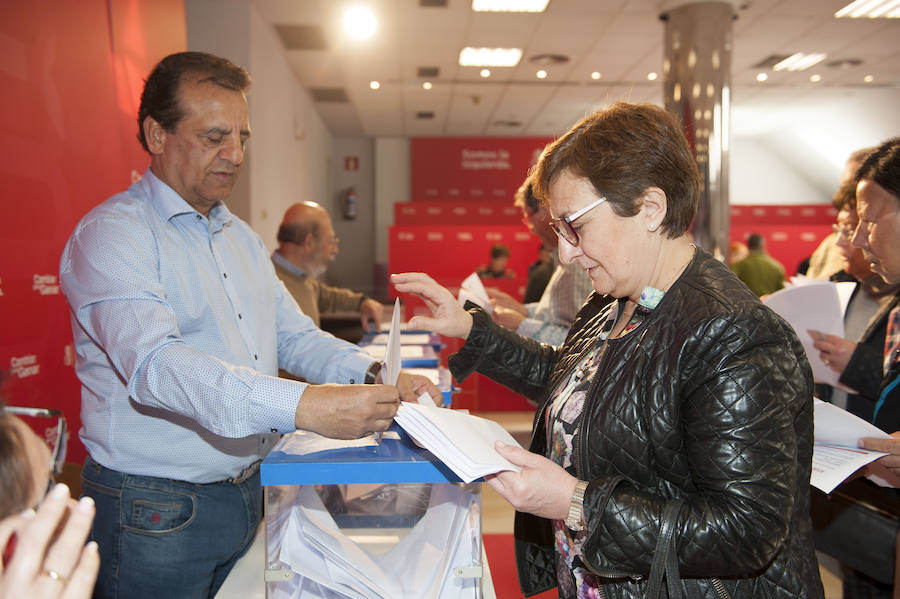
[[180, 325]]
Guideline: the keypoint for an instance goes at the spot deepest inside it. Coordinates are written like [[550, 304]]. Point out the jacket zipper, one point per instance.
[[721, 591]]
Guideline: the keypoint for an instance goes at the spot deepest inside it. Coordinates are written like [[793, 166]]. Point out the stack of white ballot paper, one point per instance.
[[465, 443], [472, 289], [327, 564], [835, 453]]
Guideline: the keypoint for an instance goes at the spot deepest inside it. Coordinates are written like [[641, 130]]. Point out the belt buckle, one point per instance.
[[246, 473]]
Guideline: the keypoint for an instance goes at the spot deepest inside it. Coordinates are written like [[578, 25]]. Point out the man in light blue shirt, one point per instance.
[[180, 326]]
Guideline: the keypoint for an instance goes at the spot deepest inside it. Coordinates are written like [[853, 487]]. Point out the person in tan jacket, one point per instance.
[[307, 244]]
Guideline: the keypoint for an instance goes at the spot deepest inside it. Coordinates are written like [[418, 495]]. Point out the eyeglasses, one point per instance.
[[845, 231], [56, 436], [563, 226]]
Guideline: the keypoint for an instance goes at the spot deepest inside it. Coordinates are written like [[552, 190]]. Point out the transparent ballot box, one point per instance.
[[369, 521]]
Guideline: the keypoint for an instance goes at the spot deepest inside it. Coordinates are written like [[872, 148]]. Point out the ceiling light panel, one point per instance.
[[800, 61], [870, 9], [509, 5], [490, 57]]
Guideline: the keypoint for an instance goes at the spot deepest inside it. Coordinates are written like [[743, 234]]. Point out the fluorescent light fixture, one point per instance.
[[490, 57], [652, 76], [596, 75], [509, 5], [359, 22], [427, 85], [761, 77], [799, 61], [485, 73], [871, 9], [542, 74], [374, 84]]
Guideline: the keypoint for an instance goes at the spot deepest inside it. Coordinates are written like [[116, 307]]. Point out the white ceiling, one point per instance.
[[620, 38]]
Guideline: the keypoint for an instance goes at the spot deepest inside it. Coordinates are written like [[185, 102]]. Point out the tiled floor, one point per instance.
[[497, 514]]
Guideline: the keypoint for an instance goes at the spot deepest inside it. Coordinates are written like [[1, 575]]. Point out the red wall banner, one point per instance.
[[71, 75], [485, 169]]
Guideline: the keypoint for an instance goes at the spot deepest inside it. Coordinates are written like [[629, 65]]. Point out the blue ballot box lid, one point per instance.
[[395, 460]]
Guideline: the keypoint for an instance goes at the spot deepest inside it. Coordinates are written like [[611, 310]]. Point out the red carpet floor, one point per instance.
[[502, 561]]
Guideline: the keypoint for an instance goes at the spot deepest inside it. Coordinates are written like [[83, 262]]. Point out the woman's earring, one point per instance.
[[651, 228]]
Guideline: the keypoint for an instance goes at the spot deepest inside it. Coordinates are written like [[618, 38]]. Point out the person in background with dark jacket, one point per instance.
[[673, 437], [878, 205]]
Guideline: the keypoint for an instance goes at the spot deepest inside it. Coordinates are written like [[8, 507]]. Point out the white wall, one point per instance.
[[760, 176]]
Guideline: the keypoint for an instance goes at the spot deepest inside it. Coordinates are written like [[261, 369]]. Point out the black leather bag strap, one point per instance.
[[665, 560]]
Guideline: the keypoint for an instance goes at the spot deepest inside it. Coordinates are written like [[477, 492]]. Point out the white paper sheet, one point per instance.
[[816, 306], [465, 443], [472, 289], [835, 453], [392, 352]]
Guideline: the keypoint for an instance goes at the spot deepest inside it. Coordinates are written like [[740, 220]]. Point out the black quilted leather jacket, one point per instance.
[[709, 400]]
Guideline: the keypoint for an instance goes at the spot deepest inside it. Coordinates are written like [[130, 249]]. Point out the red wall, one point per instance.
[[71, 74]]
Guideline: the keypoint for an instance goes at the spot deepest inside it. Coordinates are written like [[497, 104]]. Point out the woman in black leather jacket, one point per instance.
[[673, 437]]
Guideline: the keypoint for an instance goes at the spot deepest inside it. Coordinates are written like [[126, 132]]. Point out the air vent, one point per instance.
[[424, 115], [547, 60], [843, 63], [428, 72], [770, 61], [329, 94], [438, 3], [302, 37]]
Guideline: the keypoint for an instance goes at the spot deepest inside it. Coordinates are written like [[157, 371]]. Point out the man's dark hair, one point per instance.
[[15, 471], [160, 96], [883, 167], [755, 241], [498, 250], [531, 202]]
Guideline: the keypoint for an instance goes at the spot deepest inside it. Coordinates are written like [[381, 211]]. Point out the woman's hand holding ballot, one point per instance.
[[448, 318]]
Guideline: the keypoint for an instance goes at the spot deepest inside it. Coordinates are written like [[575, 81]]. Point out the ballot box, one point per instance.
[[360, 519]]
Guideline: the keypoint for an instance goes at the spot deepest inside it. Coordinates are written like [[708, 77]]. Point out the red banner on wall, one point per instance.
[[68, 127], [484, 169]]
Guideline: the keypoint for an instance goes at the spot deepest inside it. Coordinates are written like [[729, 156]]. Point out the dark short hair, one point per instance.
[[845, 197], [160, 96], [883, 167], [623, 150], [498, 250], [297, 232], [15, 471], [755, 241]]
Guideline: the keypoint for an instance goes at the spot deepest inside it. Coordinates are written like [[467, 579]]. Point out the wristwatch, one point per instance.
[[372, 372], [574, 520]]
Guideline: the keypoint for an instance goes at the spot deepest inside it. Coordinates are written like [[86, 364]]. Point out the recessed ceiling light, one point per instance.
[[815, 78], [359, 22], [596, 75], [868, 79], [800, 61], [374, 84], [485, 73], [542, 74], [872, 9], [761, 77], [427, 85], [652, 76], [509, 5], [489, 57]]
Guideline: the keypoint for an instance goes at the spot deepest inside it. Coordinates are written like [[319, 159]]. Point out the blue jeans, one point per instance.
[[164, 538]]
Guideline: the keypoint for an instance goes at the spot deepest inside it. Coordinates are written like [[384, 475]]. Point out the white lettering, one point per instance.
[[45, 284], [24, 366]]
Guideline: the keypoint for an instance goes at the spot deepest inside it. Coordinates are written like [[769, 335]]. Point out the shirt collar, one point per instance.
[[169, 204], [287, 264]]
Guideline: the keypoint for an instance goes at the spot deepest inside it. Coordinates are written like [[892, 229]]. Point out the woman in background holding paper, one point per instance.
[[674, 428], [856, 358]]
